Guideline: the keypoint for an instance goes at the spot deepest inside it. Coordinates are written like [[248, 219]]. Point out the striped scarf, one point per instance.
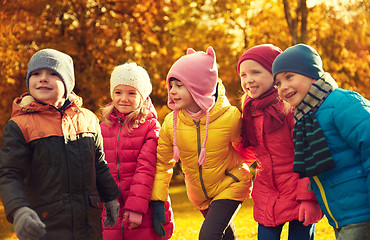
[[312, 155]]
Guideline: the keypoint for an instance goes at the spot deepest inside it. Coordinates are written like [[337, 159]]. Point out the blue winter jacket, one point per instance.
[[344, 191]]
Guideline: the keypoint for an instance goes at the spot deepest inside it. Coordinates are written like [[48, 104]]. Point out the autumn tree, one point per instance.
[[341, 38], [100, 34]]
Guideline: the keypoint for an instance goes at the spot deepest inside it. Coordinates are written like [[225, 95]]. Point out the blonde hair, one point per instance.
[[133, 119], [245, 95]]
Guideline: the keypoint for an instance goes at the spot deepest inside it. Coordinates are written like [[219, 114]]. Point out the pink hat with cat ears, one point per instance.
[[198, 72]]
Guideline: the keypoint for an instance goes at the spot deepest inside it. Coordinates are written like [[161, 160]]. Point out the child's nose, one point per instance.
[[282, 87], [249, 79], [124, 97], [43, 76]]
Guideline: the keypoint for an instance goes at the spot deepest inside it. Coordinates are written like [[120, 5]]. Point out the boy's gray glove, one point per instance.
[[27, 224], [159, 217], [112, 212]]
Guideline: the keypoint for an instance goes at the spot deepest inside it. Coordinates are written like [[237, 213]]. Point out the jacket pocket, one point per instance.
[[346, 176], [95, 201], [232, 176], [50, 210], [94, 212]]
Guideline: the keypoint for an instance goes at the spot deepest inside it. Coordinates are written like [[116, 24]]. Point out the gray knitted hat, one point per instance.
[[60, 63], [300, 58], [133, 75]]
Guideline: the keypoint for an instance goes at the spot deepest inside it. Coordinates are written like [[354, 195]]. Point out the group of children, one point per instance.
[[310, 139]]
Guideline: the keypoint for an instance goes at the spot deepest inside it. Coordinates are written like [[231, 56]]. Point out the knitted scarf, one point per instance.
[[312, 155], [272, 118]]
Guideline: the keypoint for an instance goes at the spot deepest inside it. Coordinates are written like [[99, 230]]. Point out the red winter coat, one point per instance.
[[132, 159], [277, 190]]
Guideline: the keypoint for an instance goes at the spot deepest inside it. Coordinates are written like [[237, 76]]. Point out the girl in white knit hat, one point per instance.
[[201, 132], [130, 133]]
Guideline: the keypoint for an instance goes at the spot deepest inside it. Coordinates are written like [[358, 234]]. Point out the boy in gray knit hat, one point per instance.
[[60, 63], [53, 175], [331, 139]]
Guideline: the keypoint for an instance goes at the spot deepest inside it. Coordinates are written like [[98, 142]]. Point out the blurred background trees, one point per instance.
[[100, 34]]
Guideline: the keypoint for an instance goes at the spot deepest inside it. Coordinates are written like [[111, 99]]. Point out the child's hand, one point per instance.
[[159, 217], [27, 224], [112, 211], [134, 218], [309, 212]]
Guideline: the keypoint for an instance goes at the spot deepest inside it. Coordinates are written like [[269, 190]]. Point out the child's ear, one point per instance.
[[190, 51], [211, 52]]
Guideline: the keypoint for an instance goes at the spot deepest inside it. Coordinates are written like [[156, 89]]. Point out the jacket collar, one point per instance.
[[27, 104]]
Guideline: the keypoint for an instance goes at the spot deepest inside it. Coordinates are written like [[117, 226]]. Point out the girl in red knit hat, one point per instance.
[[279, 195], [201, 132]]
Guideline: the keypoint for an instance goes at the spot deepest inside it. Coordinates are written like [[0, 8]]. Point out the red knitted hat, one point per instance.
[[264, 54]]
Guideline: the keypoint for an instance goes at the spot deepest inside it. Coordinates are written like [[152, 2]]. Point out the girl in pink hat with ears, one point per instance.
[[279, 195], [130, 134], [201, 132]]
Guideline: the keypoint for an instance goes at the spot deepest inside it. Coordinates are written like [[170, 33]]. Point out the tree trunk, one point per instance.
[[299, 35]]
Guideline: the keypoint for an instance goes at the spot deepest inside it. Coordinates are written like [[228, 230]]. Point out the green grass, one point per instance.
[[188, 219]]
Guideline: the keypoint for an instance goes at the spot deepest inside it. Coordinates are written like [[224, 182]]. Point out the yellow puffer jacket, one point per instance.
[[224, 175]]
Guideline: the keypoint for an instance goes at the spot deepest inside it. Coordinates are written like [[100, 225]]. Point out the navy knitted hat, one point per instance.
[[60, 63], [300, 58]]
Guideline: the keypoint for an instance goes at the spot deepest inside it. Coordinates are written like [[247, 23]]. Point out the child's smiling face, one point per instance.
[[46, 86], [255, 79], [182, 97], [293, 87], [126, 98]]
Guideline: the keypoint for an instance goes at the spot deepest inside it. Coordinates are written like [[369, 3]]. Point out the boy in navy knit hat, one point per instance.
[[53, 175], [331, 139]]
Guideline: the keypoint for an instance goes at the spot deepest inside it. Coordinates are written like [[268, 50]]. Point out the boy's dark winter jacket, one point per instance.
[[53, 162]]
